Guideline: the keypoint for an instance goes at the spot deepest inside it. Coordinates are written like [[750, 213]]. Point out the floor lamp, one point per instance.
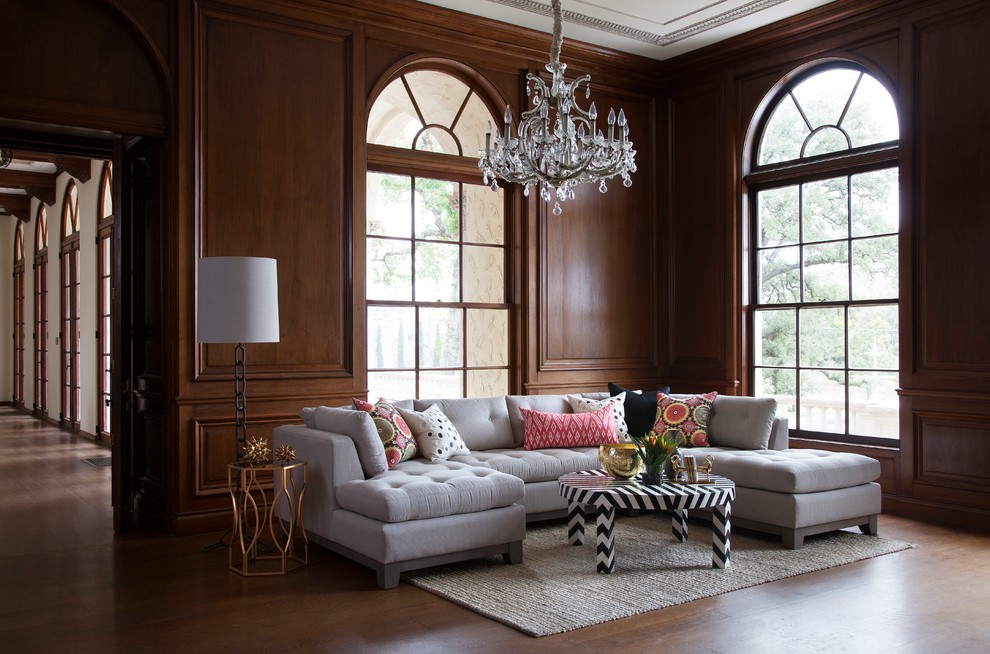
[[237, 302]]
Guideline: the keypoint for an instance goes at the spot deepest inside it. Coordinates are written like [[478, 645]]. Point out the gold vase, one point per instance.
[[620, 460]]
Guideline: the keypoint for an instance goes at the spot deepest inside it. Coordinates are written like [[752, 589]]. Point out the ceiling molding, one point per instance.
[[644, 36]]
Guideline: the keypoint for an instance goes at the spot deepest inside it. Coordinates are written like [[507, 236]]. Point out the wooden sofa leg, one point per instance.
[[793, 539], [515, 553], [870, 527], [388, 576]]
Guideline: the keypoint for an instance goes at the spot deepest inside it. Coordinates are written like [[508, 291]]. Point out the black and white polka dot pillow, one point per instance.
[[436, 437], [617, 403]]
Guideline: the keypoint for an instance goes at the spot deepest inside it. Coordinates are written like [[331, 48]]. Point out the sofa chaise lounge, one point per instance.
[[421, 513]]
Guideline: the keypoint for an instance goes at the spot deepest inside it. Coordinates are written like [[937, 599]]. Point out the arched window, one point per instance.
[[104, 259], [823, 206], [71, 336], [438, 312], [18, 396], [41, 312]]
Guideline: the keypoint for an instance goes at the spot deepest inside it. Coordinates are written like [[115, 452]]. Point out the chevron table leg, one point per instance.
[[721, 531], [679, 524], [606, 539], [575, 523]]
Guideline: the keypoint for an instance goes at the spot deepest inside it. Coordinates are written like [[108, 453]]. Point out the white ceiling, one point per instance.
[[659, 29]]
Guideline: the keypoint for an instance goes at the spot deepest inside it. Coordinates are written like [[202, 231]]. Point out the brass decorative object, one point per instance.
[[256, 451], [285, 454], [691, 469], [620, 460]]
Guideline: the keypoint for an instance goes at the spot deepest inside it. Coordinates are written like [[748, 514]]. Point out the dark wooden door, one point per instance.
[[137, 376]]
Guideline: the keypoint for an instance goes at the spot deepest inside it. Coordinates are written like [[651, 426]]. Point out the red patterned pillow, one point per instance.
[[392, 429], [688, 414], [546, 430]]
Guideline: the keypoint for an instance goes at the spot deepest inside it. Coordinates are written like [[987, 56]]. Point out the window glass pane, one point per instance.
[[391, 385], [872, 116], [393, 119], [441, 383], [389, 269], [822, 400], [441, 338], [823, 96], [391, 337], [874, 273], [775, 334], [784, 134], [781, 384], [487, 383], [488, 336], [435, 139], [437, 273], [873, 404], [106, 198], [825, 140], [825, 210], [484, 274], [873, 337], [826, 272], [482, 212], [822, 337], [471, 126], [437, 210], [874, 203], [438, 95], [779, 217], [389, 205], [780, 275]]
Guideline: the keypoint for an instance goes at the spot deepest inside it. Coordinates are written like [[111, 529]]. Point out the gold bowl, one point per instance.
[[620, 460]]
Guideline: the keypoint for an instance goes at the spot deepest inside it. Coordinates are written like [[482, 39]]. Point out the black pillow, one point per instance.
[[641, 408]]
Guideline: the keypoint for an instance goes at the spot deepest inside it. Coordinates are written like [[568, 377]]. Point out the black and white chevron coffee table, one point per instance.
[[606, 494]]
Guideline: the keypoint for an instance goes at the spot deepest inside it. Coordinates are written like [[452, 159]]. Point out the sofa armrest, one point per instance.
[[331, 459], [779, 439]]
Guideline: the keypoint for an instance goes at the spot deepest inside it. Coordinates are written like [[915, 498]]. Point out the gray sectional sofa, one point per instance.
[[422, 513]]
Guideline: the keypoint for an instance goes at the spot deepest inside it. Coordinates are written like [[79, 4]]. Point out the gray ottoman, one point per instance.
[[798, 492]]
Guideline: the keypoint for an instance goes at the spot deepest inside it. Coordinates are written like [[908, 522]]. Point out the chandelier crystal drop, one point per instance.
[[558, 144]]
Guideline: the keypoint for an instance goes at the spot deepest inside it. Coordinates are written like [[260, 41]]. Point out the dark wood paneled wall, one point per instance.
[[262, 105], [281, 100], [931, 57]]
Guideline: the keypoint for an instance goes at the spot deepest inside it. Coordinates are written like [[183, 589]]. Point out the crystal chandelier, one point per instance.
[[6, 156], [558, 145]]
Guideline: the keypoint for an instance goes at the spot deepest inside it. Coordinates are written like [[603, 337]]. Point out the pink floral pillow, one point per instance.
[[392, 429], [687, 414], [547, 430]]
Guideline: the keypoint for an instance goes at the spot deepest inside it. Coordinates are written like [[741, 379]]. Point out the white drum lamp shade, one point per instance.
[[237, 300]]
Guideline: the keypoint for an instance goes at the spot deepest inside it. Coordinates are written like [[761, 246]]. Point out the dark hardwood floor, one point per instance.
[[69, 584]]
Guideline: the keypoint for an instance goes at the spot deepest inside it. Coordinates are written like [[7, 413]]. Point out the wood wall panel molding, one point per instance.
[[952, 450], [953, 198], [698, 231], [274, 112], [108, 76], [597, 268]]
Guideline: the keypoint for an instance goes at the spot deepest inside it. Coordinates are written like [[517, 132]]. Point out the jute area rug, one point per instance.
[[557, 589]]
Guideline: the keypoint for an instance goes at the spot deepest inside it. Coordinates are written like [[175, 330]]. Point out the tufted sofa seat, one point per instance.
[[418, 489]]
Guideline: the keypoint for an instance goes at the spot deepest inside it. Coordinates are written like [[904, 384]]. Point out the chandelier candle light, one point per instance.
[[558, 145]]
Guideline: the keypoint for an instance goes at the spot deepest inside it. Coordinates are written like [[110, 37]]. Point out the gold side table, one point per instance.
[[268, 538]]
